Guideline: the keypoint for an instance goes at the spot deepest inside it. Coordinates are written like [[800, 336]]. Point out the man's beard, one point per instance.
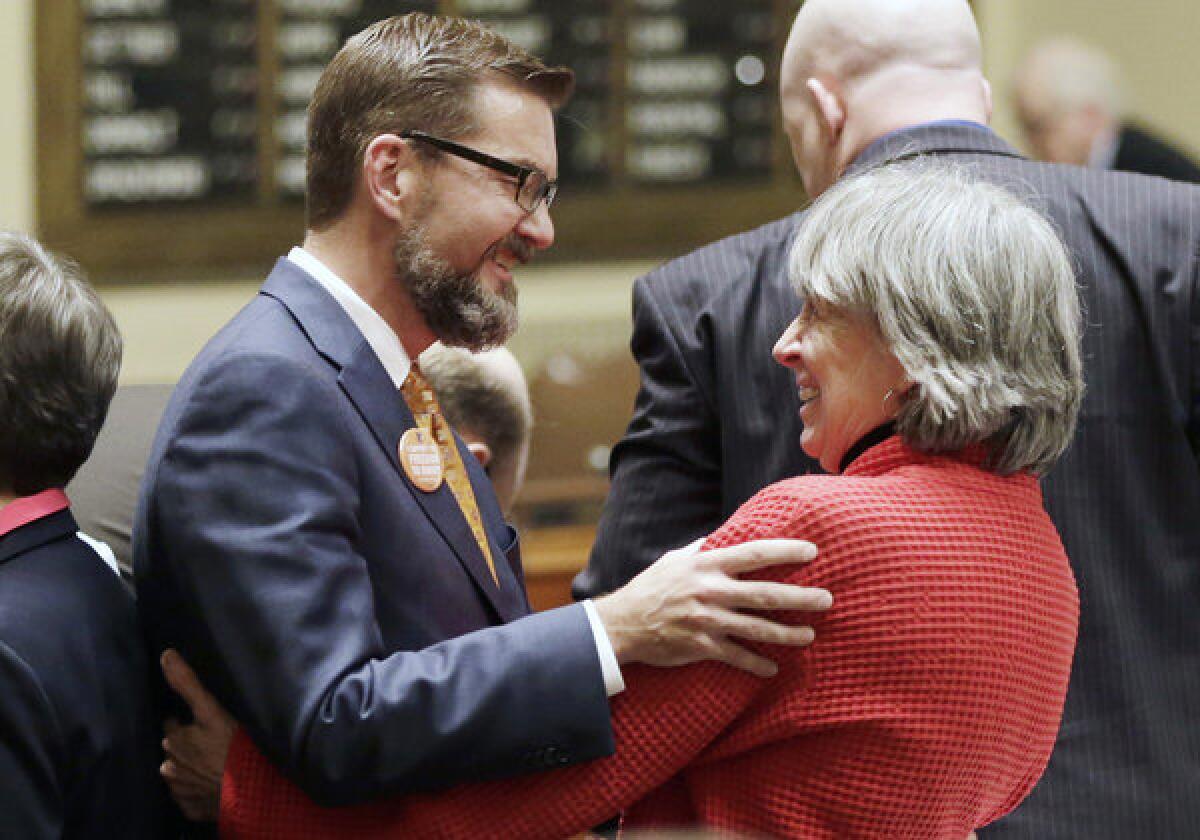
[[457, 307]]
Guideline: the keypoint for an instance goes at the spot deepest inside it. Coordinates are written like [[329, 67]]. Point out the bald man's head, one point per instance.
[[853, 70], [1068, 96]]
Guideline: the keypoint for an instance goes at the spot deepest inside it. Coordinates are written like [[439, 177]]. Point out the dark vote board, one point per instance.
[[171, 132]]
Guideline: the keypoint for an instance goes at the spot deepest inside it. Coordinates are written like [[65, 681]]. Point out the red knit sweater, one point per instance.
[[926, 708]]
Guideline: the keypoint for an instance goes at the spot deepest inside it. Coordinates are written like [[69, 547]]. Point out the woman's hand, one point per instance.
[[196, 752]]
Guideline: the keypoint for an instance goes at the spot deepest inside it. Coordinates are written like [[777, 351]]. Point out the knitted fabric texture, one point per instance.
[[926, 708]]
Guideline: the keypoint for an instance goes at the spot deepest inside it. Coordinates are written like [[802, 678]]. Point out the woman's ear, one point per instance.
[[391, 172]]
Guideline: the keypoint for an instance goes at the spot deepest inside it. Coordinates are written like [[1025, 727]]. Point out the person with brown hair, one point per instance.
[[315, 539], [78, 728]]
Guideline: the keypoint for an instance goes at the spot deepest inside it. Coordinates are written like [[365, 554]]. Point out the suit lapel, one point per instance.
[[367, 385]]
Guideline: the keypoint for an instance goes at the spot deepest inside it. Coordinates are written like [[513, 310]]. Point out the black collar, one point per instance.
[[876, 436], [36, 533]]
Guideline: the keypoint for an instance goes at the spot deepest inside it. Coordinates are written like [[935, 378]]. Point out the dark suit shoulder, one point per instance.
[[1140, 151], [54, 596], [694, 278], [89, 731], [1145, 219]]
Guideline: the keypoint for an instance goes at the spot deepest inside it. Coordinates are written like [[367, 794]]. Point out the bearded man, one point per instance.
[[315, 539]]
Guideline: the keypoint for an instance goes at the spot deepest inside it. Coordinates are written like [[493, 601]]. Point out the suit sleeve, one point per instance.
[[662, 722], [30, 754], [666, 471], [1193, 405], [256, 516]]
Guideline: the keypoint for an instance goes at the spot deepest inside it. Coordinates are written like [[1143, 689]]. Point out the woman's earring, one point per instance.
[[887, 397]]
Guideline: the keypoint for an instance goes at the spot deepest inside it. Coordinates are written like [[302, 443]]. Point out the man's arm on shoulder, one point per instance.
[[256, 518]]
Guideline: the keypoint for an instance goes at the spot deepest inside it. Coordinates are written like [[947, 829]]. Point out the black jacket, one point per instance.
[[78, 733], [1140, 151]]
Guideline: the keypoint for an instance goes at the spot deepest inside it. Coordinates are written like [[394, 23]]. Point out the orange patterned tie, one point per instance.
[[421, 401]]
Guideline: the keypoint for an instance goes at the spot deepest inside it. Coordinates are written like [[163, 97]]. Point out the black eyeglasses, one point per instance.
[[533, 187]]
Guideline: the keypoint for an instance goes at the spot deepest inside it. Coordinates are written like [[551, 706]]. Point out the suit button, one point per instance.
[[564, 759]]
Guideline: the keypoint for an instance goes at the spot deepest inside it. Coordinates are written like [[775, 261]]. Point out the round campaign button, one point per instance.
[[421, 459]]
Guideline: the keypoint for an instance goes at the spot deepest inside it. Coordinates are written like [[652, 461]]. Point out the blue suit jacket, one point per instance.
[[347, 618], [78, 734]]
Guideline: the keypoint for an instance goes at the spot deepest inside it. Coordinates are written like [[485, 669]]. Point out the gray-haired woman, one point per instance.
[[937, 361]]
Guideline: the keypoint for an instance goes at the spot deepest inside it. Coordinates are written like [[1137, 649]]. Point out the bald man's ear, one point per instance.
[[829, 106], [391, 174], [482, 453]]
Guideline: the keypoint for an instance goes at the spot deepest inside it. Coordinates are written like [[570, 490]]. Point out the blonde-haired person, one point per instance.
[[937, 359]]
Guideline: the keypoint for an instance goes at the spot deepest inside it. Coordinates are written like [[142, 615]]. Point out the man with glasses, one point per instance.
[[313, 537]]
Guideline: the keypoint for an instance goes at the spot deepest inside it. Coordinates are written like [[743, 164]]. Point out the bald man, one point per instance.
[[867, 81], [1071, 106]]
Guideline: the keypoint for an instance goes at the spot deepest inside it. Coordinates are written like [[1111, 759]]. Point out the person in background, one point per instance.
[[937, 359], [483, 395], [311, 534], [486, 400], [868, 81], [1070, 101], [78, 733]]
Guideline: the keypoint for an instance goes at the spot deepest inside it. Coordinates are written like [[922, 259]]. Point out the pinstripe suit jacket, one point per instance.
[[715, 420]]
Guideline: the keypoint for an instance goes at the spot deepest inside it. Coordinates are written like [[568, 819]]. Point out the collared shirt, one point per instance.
[[932, 124], [382, 339], [25, 509], [386, 344]]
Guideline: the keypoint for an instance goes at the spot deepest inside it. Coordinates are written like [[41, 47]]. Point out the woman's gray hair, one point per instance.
[[974, 294], [60, 353]]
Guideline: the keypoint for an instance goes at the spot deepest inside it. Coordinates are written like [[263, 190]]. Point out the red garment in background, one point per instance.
[[927, 707]]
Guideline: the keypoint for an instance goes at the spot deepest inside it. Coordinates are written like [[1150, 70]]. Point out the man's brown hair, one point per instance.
[[410, 72]]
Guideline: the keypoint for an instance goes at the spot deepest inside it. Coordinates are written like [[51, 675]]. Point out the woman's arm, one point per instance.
[[665, 718]]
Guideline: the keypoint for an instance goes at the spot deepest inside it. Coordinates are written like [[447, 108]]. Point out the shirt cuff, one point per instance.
[[614, 683]]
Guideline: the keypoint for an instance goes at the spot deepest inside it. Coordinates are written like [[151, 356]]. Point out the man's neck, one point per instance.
[[890, 102], [367, 265]]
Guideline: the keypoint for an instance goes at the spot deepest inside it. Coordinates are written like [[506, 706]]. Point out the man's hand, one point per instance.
[[685, 607], [196, 753]]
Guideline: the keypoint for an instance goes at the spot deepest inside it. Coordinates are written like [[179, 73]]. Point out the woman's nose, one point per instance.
[[787, 348]]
